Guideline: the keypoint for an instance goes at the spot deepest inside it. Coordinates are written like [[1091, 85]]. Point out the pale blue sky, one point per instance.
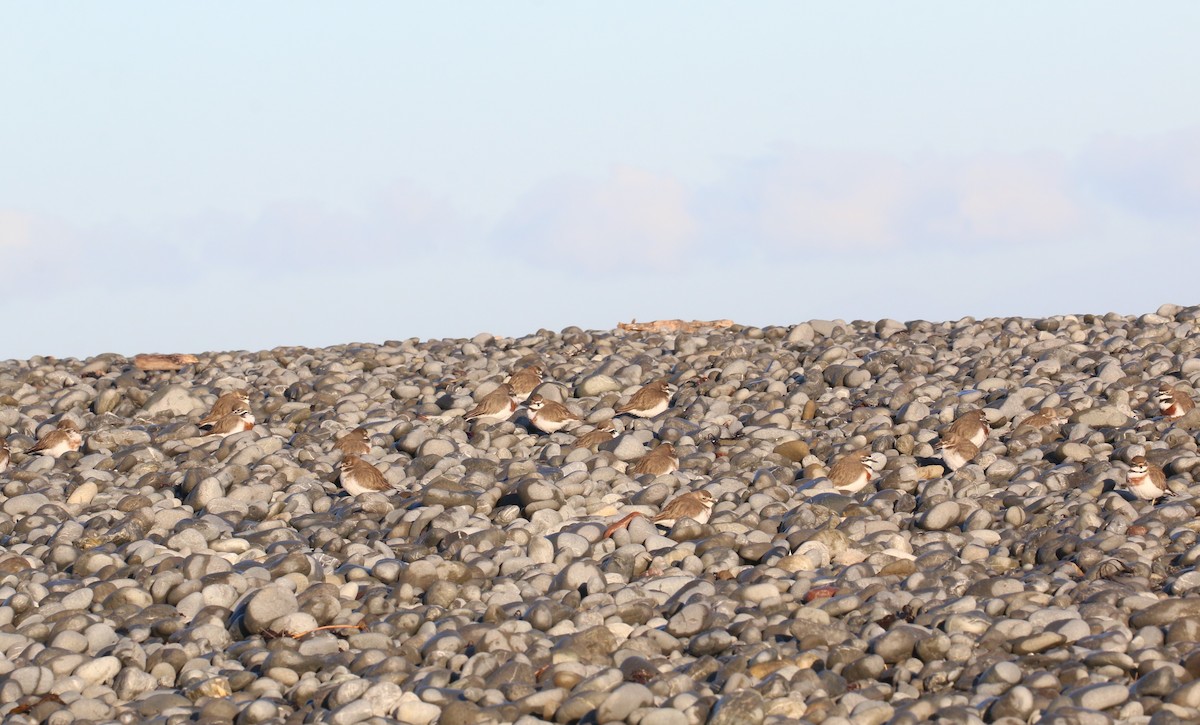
[[244, 175]]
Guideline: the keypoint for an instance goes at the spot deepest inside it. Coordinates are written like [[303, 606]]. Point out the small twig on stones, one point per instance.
[[270, 634]]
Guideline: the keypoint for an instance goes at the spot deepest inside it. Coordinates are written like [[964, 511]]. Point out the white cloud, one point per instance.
[[16, 229], [631, 215], [1155, 178]]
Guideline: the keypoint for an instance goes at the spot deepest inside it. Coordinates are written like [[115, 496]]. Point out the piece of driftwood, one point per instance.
[[156, 361], [671, 325]]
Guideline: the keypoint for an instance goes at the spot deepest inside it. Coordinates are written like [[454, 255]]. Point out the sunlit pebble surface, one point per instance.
[[157, 575]]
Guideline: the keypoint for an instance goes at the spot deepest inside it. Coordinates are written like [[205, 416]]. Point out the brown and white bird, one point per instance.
[[65, 437], [4, 455], [549, 416], [355, 443], [359, 477], [226, 404], [971, 425], [496, 406], [660, 461], [852, 472], [525, 381], [604, 431], [238, 420], [695, 505], [1146, 480], [1044, 418], [1173, 401], [650, 400], [957, 451]]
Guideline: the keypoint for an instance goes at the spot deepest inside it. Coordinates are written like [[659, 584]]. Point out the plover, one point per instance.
[[226, 404], [603, 432], [525, 381], [238, 420], [359, 477], [1146, 480], [1173, 401], [649, 401], [549, 416], [852, 472], [660, 461], [355, 443], [496, 406], [65, 437]]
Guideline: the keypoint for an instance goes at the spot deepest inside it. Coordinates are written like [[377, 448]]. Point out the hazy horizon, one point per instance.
[[183, 179]]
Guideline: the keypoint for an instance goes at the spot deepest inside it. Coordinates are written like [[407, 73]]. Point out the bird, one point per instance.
[[1174, 402], [525, 381], [695, 505], [604, 431], [1045, 417], [660, 461], [355, 443], [650, 400], [971, 425], [852, 472], [359, 477], [226, 404], [549, 416], [1146, 480], [238, 420], [957, 451], [65, 437], [496, 406], [4, 455]]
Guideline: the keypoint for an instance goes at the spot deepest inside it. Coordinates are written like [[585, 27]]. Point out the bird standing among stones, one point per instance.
[[1146, 480], [957, 451], [496, 406], [359, 477], [852, 472], [971, 425], [695, 505], [237, 421], [549, 416], [65, 437], [226, 404], [1044, 418], [525, 381], [603, 432], [355, 443], [660, 461], [650, 400], [1173, 401]]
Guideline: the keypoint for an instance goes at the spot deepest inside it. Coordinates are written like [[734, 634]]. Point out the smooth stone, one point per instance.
[[266, 605], [1100, 696], [174, 400], [744, 707], [24, 504], [626, 447], [596, 385], [795, 451], [1102, 417], [99, 670], [941, 517], [1165, 612], [622, 701], [1036, 643]]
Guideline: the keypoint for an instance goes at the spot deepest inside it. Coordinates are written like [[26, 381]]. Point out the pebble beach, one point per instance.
[[164, 574]]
